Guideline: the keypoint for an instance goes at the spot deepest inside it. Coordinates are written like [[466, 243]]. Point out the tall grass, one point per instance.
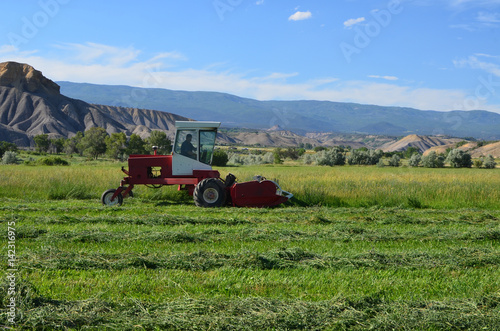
[[348, 186], [352, 186], [57, 182]]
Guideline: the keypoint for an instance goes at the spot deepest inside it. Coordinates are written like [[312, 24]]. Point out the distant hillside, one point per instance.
[[472, 148], [493, 149], [422, 143], [298, 116]]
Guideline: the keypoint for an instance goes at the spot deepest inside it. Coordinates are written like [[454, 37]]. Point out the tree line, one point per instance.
[[456, 158], [96, 142], [339, 156]]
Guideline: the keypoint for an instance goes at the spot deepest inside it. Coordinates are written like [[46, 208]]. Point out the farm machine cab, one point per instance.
[[190, 168]]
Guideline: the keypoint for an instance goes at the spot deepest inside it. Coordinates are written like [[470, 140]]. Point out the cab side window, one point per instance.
[[186, 143]]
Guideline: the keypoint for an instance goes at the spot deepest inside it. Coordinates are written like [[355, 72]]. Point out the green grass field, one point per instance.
[[358, 248]]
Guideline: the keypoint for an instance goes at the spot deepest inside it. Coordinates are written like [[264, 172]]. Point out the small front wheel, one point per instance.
[[210, 192], [106, 198]]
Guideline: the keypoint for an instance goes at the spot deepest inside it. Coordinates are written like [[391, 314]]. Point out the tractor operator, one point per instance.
[[187, 148]]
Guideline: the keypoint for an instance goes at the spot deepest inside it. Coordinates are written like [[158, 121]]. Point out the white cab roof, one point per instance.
[[196, 125]]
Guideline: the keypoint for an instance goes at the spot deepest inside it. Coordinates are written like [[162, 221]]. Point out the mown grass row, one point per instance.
[[214, 235], [324, 186], [285, 258], [372, 311]]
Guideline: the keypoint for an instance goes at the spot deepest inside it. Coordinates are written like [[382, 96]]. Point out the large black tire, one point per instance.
[[106, 198], [210, 193]]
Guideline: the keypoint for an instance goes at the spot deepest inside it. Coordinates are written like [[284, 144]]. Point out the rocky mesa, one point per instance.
[[31, 104]]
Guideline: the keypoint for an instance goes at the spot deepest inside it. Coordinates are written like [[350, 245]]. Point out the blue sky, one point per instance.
[[426, 54]]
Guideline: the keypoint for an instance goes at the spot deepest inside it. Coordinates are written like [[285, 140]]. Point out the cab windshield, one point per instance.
[[207, 143]]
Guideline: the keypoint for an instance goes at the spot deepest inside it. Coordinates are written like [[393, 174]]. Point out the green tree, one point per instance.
[[93, 142], [116, 145], [415, 160], [433, 160], [278, 155], [489, 162], [459, 159], [363, 156], [292, 153], [73, 144], [42, 143], [136, 145], [220, 158], [331, 157], [57, 145], [395, 161], [410, 151], [478, 163], [6, 146], [160, 139]]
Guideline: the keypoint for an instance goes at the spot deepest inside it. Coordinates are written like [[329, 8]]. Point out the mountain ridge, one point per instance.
[[300, 116]]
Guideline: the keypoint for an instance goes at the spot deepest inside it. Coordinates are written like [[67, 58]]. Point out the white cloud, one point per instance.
[[384, 77], [474, 62], [280, 76], [300, 16], [164, 71], [471, 3], [353, 21], [259, 2], [7, 49], [92, 52], [488, 18]]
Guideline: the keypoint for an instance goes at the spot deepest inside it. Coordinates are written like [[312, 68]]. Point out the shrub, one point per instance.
[[277, 153], [363, 156], [459, 159], [308, 158], [251, 159], [220, 158], [395, 161], [415, 160], [478, 163], [235, 159], [432, 160], [268, 158], [489, 162], [9, 157], [30, 161], [52, 161], [331, 157]]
